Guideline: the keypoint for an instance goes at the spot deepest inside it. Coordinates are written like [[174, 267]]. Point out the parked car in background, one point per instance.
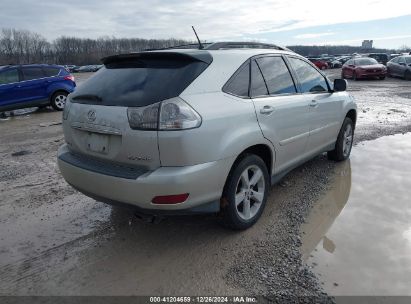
[[69, 67], [145, 132], [339, 61], [319, 63], [400, 67], [362, 67], [89, 68], [380, 57], [23, 86]]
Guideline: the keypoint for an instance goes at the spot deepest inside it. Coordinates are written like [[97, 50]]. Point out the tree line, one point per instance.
[[22, 47]]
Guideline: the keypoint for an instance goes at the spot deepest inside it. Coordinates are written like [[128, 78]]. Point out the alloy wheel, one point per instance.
[[250, 192]]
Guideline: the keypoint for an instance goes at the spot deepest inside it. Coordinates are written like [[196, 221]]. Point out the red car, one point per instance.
[[321, 64], [358, 68]]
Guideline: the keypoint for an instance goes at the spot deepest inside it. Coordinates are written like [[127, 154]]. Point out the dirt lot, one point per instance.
[[55, 241]]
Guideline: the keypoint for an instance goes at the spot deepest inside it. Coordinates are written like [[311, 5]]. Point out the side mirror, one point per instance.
[[340, 85]]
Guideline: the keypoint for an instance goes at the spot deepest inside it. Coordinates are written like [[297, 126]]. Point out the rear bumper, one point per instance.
[[203, 182]]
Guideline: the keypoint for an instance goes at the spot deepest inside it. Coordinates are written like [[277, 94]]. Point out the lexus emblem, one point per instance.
[[91, 115]]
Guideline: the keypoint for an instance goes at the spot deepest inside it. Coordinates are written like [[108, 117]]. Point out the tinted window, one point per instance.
[[9, 76], [50, 72], [32, 73], [258, 86], [139, 82], [238, 84], [276, 75], [401, 60], [408, 60], [310, 79], [395, 60]]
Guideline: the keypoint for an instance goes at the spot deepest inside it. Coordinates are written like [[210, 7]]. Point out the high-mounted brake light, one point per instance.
[[170, 199]]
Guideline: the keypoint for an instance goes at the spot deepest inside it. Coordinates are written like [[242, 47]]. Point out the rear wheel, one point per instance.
[[344, 142], [58, 100], [381, 77], [407, 75], [245, 193]]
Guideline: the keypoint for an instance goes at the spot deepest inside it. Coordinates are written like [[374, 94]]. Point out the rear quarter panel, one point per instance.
[[229, 126]]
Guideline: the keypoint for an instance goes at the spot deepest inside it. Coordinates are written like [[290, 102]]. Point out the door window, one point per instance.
[[401, 60], [9, 76], [276, 75], [258, 86], [50, 72], [310, 79], [32, 73]]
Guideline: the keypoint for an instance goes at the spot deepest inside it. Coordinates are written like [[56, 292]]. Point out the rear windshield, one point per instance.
[[139, 82]]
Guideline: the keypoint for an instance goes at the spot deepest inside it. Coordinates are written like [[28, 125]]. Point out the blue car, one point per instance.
[[34, 85]]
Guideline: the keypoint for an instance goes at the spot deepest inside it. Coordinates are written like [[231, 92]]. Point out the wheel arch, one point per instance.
[[353, 115], [56, 91]]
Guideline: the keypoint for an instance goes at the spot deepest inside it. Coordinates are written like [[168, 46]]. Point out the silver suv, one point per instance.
[[183, 131]]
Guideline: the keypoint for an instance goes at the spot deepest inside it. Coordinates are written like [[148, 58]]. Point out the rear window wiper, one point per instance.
[[88, 97]]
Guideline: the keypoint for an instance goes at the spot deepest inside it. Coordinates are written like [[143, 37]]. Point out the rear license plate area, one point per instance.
[[98, 143]]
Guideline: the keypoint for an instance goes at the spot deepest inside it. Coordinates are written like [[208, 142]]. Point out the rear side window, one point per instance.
[[258, 86], [50, 72], [9, 76], [139, 82], [310, 79], [32, 73], [276, 75], [239, 83]]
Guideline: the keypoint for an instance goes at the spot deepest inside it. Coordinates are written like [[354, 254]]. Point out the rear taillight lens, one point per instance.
[[144, 118], [175, 114], [69, 77]]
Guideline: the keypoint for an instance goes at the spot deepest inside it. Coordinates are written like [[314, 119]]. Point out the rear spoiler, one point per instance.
[[191, 55]]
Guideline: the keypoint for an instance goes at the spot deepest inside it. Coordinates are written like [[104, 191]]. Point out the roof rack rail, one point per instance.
[[181, 46], [244, 45]]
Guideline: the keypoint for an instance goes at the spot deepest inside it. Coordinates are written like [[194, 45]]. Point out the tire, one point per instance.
[[381, 77], [342, 75], [58, 100], [344, 142], [407, 75], [354, 76], [239, 193]]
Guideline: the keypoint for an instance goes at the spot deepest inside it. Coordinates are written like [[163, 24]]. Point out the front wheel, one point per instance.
[[344, 142], [245, 193], [58, 100]]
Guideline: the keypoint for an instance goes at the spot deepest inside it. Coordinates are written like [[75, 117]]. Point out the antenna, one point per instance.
[[200, 45]]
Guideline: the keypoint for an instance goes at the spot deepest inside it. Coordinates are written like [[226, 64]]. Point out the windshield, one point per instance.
[[365, 61]]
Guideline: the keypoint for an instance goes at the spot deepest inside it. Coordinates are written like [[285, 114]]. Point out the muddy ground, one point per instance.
[[56, 241]]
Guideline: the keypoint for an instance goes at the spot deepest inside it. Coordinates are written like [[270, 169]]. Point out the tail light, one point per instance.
[[171, 114], [69, 77]]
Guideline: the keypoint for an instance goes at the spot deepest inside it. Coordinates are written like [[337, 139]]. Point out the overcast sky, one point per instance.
[[283, 22]]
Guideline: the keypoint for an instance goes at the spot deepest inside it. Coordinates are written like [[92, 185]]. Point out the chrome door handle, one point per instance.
[[267, 110], [314, 103]]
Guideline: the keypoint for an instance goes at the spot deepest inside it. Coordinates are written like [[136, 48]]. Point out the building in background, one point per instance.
[[367, 44]]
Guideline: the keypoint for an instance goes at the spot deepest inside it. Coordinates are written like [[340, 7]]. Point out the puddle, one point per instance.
[[358, 236]]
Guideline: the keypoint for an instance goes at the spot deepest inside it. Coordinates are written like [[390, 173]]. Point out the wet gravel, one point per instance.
[[56, 239], [272, 265]]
